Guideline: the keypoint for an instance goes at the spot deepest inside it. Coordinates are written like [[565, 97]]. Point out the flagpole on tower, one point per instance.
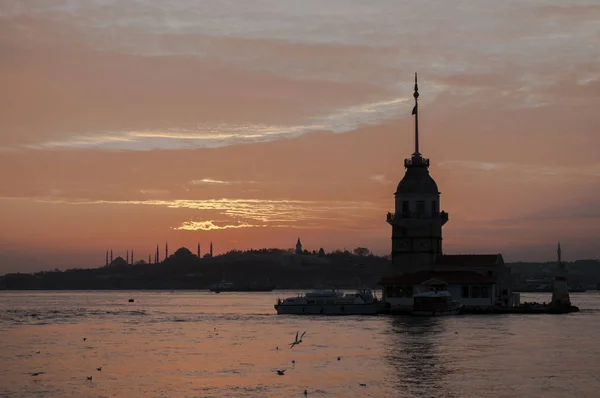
[[415, 112]]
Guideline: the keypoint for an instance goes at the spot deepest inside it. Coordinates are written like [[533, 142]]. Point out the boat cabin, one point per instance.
[[433, 300]]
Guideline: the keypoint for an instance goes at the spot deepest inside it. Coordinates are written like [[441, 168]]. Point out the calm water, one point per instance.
[[199, 344]]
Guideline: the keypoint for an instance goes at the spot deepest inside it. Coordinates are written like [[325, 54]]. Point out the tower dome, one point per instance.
[[417, 180]]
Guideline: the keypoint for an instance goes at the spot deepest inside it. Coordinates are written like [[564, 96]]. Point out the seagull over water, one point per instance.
[[281, 372], [297, 341]]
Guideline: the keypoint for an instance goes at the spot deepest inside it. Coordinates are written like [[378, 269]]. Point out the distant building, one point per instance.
[[417, 257], [298, 247]]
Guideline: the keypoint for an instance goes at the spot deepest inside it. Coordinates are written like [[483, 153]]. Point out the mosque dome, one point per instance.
[[183, 252]]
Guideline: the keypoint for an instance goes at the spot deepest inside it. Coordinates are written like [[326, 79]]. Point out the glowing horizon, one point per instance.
[[253, 125]]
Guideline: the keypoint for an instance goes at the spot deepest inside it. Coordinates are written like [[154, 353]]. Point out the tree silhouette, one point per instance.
[[361, 251]]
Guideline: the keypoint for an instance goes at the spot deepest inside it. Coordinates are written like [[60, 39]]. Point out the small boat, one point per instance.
[[330, 302], [434, 303]]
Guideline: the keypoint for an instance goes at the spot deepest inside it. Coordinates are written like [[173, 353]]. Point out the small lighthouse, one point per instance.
[[560, 293]]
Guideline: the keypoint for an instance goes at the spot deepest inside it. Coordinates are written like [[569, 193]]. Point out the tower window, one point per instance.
[[433, 208], [420, 206], [405, 208]]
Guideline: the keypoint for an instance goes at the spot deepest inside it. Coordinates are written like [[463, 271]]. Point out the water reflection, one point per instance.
[[414, 352]]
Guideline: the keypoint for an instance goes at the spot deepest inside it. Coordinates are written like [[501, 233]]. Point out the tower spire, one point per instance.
[[559, 253], [415, 112]]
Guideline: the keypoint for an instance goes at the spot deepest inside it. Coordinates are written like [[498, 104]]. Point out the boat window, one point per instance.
[[464, 292], [485, 291]]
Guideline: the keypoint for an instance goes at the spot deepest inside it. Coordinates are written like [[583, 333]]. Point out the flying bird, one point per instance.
[[37, 373], [85, 338], [89, 377], [298, 340], [362, 384], [99, 369], [281, 372]]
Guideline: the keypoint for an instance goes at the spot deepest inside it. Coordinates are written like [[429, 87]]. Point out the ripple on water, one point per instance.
[[167, 345]]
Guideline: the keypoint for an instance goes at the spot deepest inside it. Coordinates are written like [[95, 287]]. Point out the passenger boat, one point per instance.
[[434, 303], [330, 302]]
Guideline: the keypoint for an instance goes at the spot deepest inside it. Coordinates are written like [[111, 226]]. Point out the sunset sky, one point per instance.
[[250, 123]]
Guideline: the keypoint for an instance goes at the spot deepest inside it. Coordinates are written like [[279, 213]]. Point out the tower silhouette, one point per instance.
[[417, 221], [166, 250], [199, 250], [211, 249]]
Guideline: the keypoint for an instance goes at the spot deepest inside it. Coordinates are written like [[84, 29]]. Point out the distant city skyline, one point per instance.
[[252, 125]]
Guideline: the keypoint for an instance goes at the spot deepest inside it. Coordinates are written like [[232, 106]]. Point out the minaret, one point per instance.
[[199, 250], [111, 260], [211, 251], [127, 259], [132, 262], [560, 291], [149, 258], [106, 258], [166, 250], [298, 247], [156, 256], [417, 221]]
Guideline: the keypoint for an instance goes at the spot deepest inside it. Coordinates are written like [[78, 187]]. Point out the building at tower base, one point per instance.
[[560, 289], [475, 280]]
